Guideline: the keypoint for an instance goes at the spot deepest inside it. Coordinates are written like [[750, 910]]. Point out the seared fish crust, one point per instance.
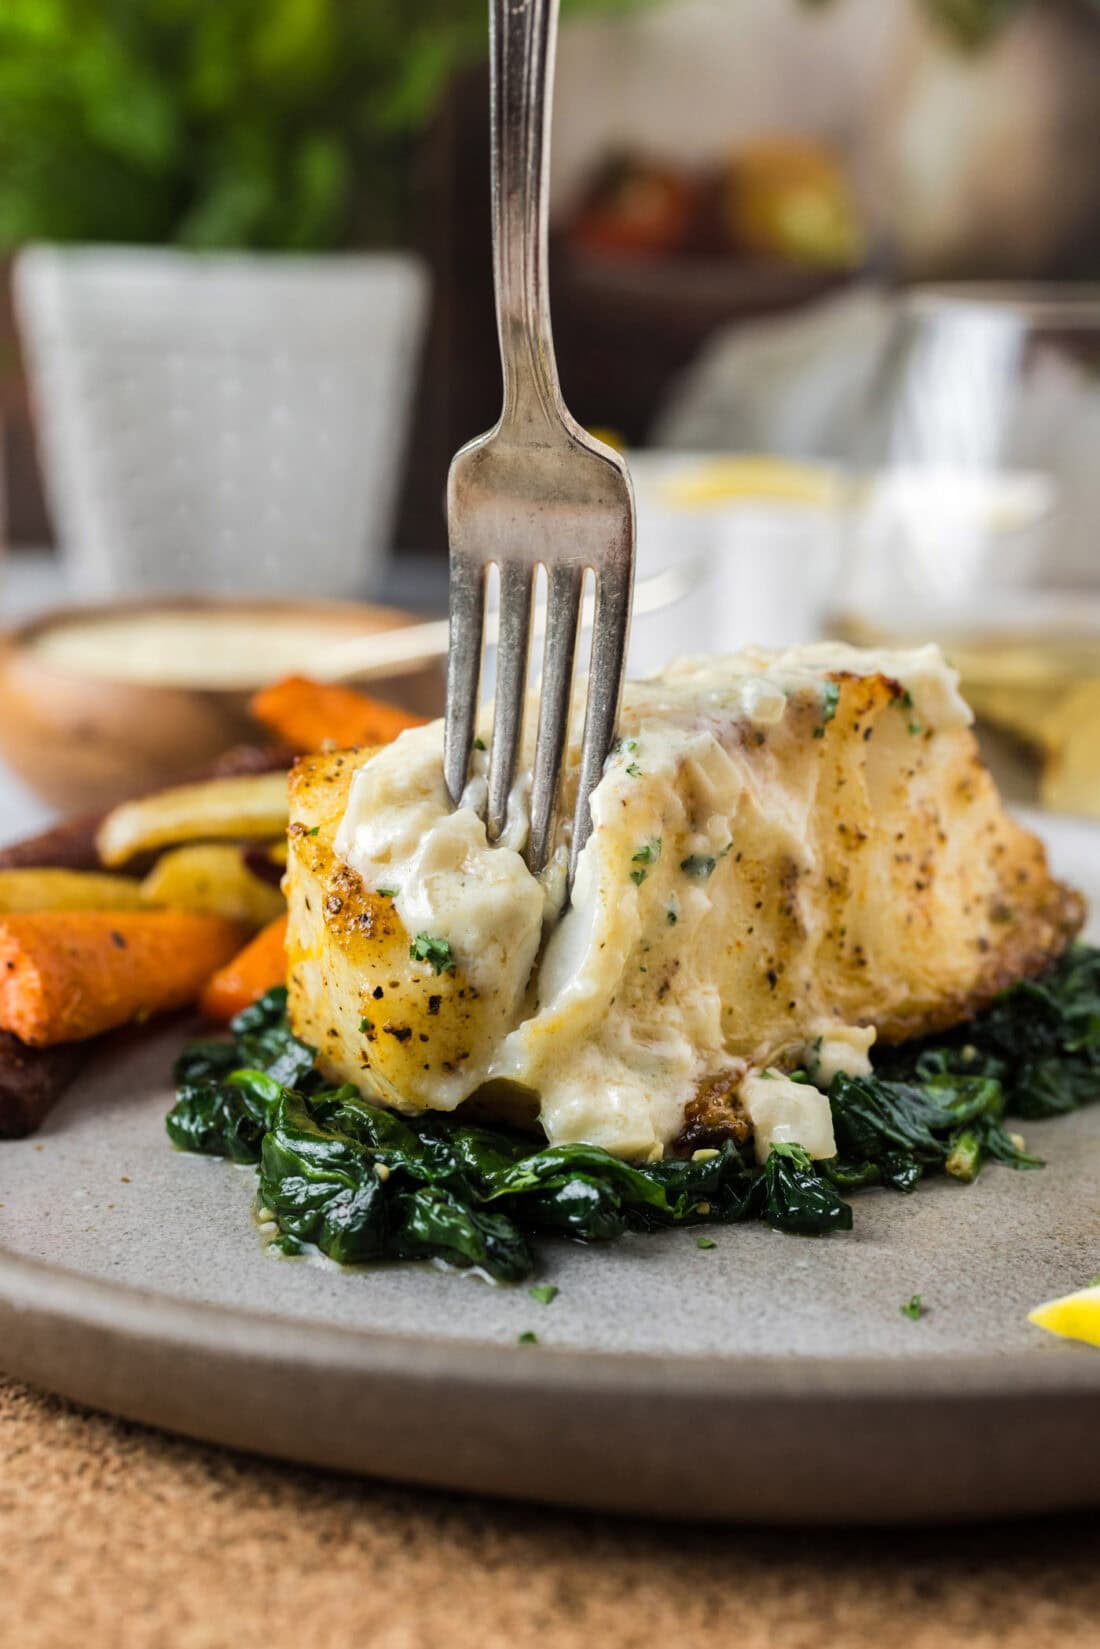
[[861, 872]]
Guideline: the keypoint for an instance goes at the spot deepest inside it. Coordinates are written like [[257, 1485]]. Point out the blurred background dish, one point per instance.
[[978, 523], [100, 702]]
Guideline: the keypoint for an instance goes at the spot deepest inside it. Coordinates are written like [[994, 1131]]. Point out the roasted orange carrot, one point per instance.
[[244, 979], [309, 715], [69, 974]]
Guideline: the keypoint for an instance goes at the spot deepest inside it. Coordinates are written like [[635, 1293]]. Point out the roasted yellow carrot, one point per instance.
[[50, 888], [211, 877], [248, 809], [66, 975]]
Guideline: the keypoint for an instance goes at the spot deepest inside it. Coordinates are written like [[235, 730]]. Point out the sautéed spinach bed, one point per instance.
[[362, 1183]]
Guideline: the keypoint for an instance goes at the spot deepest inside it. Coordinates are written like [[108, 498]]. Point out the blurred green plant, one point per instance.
[[973, 24], [271, 124]]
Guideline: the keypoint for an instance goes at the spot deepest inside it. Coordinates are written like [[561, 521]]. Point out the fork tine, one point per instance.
[[513, 642], [609, 638], [563, 602], [463, 669]]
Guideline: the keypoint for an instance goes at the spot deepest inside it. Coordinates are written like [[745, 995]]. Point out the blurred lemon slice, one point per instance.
[[771, 480], [1074, 1317]]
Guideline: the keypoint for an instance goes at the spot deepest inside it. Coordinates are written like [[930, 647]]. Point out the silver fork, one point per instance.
[[536, 490]]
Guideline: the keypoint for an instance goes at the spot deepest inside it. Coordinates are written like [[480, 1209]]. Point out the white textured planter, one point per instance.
[[220, 422]]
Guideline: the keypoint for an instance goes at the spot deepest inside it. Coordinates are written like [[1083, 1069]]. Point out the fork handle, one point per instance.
[[522, 40]]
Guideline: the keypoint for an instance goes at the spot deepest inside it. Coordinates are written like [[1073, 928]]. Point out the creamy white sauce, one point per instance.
[[400, 833], [622, 1021], [787, 1113], [740, 680], [186, 649], [837, 1048]]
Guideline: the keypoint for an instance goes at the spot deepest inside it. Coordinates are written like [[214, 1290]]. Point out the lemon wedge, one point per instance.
[[1074, 1317], [755, 477]]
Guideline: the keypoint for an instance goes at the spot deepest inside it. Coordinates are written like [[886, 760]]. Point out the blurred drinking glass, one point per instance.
[[977, 522]]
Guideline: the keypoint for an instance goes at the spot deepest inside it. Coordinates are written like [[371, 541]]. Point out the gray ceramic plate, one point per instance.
[[770, 1378]]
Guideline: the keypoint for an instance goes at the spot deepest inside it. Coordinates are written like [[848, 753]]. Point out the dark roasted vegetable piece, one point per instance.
[[68, 846], [257, 858], [32, 1079]]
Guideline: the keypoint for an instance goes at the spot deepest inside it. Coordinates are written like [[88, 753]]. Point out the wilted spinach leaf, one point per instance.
[[436, 1222], [265, 1042], [796, 1197], [1040, 1040], [227, 1118], [893, 1132]]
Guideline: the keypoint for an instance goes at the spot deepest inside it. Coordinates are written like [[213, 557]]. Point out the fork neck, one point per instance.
[[522, 41]]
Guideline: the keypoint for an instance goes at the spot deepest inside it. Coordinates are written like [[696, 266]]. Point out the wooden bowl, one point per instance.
[[83, 737]]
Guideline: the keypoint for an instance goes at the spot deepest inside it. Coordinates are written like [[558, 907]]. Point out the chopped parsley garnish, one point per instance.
[[830, 698], [316, 831], [915, 728], [705, 1242], [544, 1293], [479, 744], [699, 866], [527, 1339], [671, 917], [633, 771], [649, 853], [365, 1025], [913, 1308], [387, 892], [638, 877], [427, 948]]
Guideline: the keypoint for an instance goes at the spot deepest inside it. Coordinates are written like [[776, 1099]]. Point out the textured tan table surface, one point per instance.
[[112, 1537]]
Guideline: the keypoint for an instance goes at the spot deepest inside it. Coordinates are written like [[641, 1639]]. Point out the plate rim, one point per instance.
[[473, 1415], [35, 1289]]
